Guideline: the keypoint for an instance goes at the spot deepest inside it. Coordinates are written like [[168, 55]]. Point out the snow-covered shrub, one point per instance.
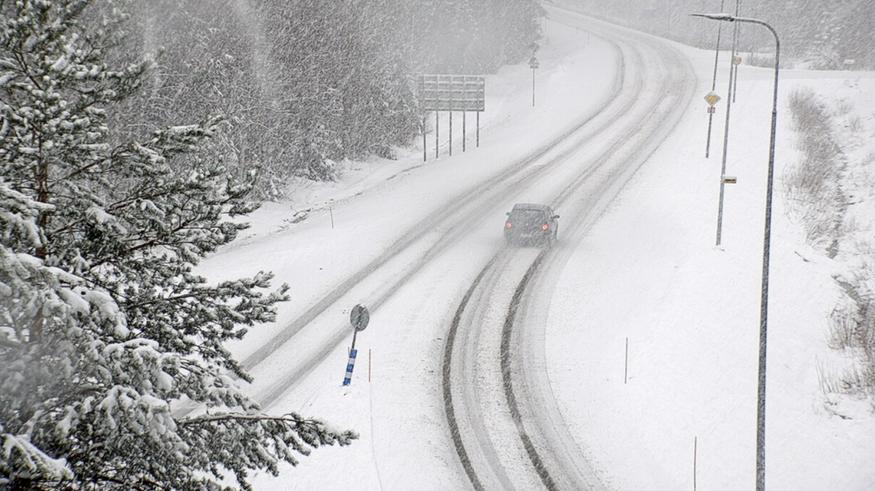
[[813, 185], [855, 124], [105, 324], [843, 107], [816, 194], [853, 328]]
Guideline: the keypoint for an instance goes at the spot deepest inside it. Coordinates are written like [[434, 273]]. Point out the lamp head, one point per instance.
[[720, 17]]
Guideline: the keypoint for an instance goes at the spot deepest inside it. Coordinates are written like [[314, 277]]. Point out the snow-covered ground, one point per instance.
[[648, 272], [690, 312]]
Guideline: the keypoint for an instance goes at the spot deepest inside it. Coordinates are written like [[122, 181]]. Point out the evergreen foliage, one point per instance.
[[307, 84], [104, 327]]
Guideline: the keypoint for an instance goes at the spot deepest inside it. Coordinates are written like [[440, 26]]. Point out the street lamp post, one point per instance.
[[713, 86], [767, 234], [726, 135]]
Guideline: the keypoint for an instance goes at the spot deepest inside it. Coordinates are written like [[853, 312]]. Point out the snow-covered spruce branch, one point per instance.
[[108, 324], [293, 420]]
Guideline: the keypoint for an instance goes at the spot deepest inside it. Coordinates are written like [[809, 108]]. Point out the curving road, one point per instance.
[[505, 423], [380, 280]]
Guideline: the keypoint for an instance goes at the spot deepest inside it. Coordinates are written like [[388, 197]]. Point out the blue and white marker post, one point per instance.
[[359, 318]]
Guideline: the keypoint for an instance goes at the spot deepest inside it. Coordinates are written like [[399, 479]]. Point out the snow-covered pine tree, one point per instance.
[[103, 324]]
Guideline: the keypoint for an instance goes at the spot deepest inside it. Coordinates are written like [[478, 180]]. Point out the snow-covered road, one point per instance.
[[509, 429], [407, 249], [616, 145]]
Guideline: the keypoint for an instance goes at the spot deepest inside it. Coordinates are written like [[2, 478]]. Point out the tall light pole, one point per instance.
[[726, 135], [713, 86], [736, 60], [767, 234]]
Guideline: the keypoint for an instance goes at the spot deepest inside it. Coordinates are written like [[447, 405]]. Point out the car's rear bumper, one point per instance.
[[528, 238]]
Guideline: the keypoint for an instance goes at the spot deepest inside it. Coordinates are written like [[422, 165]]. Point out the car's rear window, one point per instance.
[[526, 217]]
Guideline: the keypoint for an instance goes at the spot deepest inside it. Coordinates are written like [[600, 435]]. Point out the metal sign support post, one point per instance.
[[424, 142], [451, 120], [358, 318], [533, 64], [464, 134], [437, 133], [478, 129], [451, 134]]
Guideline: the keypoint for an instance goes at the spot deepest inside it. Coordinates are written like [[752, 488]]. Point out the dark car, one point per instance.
[[529, 223]]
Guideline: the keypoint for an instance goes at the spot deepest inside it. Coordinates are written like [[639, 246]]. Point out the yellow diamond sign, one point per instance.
[[711, 98]]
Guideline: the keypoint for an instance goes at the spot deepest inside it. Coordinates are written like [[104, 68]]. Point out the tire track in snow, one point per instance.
[[472, 202], [572, 474]]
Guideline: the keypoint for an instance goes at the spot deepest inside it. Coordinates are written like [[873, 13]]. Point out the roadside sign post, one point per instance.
[[437, 132], [424, 142], [450, 141], [712, 99], [735, 61], [533, 64], [452, 93], [464, 130], [358, 318]]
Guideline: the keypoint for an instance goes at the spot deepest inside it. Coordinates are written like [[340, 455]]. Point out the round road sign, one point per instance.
[[359, 317]]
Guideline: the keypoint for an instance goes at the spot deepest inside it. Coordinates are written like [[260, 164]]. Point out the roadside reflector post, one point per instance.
[[534, 65], [358, 318]]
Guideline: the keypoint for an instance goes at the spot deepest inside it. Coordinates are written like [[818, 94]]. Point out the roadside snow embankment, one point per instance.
[[649, 274], [830, 195]]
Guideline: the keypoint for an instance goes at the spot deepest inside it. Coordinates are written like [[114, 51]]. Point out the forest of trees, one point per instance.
[[308, 83], [821, 33], [119, 173]]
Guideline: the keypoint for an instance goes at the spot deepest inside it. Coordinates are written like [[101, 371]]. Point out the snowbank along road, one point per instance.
[[505, 423]]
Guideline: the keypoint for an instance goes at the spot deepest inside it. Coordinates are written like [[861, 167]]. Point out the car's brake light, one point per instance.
[[545, 227], [508, 225]]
